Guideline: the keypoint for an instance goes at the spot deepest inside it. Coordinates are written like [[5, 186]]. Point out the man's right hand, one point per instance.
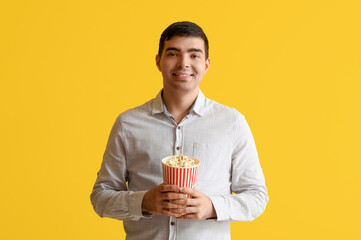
[[156, 200]]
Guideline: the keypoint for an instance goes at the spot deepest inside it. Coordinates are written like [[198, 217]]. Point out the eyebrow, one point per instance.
[[189, 50]]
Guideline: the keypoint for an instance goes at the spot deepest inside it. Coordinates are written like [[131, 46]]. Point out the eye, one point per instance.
[[171, 54], [195, 56]]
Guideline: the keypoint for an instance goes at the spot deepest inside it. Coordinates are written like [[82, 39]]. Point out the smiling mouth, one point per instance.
[[182, 74]]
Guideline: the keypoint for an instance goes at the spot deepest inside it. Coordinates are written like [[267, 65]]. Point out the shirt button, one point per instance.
[[179, 127], [172, 223], [178, 148]]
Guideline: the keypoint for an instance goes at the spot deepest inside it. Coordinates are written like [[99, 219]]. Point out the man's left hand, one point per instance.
[[198, 207]]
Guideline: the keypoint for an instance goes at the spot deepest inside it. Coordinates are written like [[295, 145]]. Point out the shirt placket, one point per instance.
[[178, 140], [172, 228], [178, 149]]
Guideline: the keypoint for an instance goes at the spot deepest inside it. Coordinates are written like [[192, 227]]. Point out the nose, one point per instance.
[[183, 62]]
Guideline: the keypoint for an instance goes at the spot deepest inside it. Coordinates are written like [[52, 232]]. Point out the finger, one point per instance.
[[179, 211], [184, 211], [190, 210], [168, 205], [179, 201], [170, 214], [186, 201], [169, 188], [172, 195], [191, 191]]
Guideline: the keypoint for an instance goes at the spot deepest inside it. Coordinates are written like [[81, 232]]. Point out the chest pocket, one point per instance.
[[215, 161]]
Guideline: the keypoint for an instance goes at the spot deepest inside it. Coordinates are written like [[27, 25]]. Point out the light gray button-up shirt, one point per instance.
[[215, 134]]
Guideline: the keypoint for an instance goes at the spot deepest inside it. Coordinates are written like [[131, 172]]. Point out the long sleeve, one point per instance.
[[215, 134], [110, 196], [247, 181]]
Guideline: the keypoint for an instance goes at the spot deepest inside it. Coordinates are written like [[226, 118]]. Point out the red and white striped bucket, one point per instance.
[[181, 176]]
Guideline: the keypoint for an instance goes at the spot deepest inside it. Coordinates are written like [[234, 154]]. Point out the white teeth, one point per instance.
[[183, 75]]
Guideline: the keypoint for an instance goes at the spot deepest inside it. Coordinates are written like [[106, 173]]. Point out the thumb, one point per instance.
[[191, 191]]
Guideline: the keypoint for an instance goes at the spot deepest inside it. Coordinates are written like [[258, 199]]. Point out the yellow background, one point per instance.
[[68, 68]]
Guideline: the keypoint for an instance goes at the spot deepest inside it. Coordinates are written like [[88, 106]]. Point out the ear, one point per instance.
[[157, 62], [208, 62]]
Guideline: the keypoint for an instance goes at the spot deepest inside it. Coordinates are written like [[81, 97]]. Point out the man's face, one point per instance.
[[183, 63]]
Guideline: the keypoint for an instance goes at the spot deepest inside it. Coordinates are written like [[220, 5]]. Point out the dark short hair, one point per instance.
[[183, 29]]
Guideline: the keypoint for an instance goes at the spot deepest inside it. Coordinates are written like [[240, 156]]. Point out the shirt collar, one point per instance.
[[158, 105], [199, 105]]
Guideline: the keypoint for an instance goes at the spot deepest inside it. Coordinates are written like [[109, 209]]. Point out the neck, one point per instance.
[[178, 104]]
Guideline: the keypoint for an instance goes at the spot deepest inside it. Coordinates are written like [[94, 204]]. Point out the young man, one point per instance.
[[180, 120]]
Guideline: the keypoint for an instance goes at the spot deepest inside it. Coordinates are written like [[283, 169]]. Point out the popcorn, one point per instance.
[[181, 161]]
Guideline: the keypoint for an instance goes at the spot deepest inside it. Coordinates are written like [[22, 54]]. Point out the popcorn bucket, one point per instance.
[[181, 176]]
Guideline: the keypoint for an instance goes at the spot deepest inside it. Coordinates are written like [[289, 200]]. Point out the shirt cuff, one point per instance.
[[135, 204], [219, 207]]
